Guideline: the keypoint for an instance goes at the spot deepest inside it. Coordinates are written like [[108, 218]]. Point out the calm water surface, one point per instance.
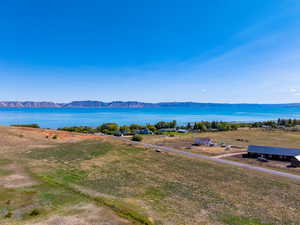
[[55, 118]]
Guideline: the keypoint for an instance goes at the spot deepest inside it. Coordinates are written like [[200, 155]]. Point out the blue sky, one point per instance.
[[152, 51]]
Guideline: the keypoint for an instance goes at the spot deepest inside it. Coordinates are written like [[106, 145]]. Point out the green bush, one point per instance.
[[34, 212], [137, 138], [8, 215]]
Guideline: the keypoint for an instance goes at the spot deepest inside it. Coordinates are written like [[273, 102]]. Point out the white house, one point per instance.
[[203, 141]]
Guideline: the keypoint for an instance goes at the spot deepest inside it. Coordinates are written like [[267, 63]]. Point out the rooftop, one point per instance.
[[273, 150]]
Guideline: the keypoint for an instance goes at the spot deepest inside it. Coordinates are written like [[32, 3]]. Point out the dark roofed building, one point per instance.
[[144, 131], [274, 150], [277, 153]]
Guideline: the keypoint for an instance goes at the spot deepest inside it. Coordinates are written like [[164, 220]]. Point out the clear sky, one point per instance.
[[152, 51]]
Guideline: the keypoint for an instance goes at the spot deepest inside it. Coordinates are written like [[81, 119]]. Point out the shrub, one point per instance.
[[158, 132], [55, 137], [8, 215], [137, 137], [118, 134], [34, 212]]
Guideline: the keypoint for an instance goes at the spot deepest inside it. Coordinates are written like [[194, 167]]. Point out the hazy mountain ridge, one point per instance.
[[121, 104]]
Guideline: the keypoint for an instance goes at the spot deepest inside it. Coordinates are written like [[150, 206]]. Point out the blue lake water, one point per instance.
[[55, 118]]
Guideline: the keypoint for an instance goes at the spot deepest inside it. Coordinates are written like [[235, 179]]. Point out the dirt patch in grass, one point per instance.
[[16, 177], [83, 214]]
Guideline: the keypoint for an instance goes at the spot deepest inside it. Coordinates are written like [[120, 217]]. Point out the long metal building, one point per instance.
[[276, 153]]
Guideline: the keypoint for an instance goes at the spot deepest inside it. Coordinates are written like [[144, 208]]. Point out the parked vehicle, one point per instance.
[[262, 159]]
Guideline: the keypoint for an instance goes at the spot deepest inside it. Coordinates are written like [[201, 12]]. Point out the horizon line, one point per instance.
[[135, 101]]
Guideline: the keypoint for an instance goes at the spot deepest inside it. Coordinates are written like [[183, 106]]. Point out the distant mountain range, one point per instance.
[[121, 104]]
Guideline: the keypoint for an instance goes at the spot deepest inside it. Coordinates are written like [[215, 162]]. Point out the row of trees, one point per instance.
[[203, 126], [278, 123], [214, 125], [113, 128], [288, 122], [34, 125]]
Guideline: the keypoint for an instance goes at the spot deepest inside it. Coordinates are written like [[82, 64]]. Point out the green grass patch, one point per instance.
[[154, 193], [4, 162], [4, 172]]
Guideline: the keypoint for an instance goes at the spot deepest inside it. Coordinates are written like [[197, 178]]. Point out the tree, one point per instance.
[[108, 128], [151, 127], [172, 124], [125, 129], [188, 126], [135, 127], [160, 125], [202, 127]]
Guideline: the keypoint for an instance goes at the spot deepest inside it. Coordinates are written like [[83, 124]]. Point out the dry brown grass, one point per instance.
[[17, 139]]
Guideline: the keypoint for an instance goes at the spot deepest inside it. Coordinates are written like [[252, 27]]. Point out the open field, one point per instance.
[[99, 180]]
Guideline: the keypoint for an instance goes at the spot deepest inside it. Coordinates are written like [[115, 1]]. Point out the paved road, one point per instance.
[[233, 163]]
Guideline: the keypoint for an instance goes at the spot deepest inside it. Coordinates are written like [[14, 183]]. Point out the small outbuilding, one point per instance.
[[275, 153], [204, 141]]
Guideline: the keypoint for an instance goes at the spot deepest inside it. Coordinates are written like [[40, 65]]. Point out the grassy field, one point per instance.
[[129, 185]]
